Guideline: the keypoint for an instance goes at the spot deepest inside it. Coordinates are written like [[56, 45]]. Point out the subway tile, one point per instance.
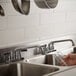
[[71, 27], [22, 21], [68, 5], [3, 23], [40, 24], [58, 17], [9, 37], [13, 36], [45, 18], [53, 17], [71, 17], [61, 29], [15, 22], [32, 19], [31, 33], [3, 40], [46, 31]]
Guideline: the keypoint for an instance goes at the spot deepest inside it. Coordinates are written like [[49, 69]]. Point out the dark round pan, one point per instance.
[[15, 5], [52, 3], [46, 3], [2, 11], [22, 6]]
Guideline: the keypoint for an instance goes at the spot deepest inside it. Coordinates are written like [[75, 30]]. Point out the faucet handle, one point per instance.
[[41, 49]]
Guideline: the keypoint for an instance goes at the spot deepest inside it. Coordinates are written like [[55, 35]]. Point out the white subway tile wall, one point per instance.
[[40, 24]]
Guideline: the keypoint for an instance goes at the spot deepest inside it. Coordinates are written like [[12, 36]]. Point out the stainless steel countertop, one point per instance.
[[64, 71]]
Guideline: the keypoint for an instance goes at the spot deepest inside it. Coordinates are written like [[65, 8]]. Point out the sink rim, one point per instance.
[[41, 66]]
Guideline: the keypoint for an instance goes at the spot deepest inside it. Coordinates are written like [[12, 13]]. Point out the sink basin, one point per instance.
[[44, 59], [36, 70], [26, 69], [8, 70]]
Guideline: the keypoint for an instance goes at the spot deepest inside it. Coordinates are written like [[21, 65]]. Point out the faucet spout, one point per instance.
[[51, 44]]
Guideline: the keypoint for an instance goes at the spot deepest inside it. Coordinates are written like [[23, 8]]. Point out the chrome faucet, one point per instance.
[[38, 49], [51, 44]]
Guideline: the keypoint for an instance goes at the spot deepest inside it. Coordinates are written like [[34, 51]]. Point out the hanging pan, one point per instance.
[[2, 11], [46, 3], [22, 6]]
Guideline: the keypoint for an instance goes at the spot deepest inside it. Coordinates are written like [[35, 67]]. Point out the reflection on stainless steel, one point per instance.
[[36, 70], [2, 11], [8, 70], [43, 59], [26, 69], [50, 59]]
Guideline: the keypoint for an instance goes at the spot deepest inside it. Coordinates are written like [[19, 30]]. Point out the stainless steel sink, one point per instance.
[[36, 70], [49, 60], [44, 59], [26, 69], [8, 70]]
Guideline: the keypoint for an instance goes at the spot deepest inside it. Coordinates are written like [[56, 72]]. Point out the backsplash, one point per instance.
[[40, 24]]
